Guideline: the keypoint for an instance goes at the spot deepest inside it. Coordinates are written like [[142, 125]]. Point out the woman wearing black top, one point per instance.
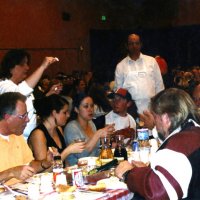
[[53, 113]]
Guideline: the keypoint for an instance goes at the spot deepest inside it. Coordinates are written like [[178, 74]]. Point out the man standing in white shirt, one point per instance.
[[119, 116], [139, 74]]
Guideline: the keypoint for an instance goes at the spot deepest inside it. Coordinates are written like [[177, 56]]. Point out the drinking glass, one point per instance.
[[144, 154], [79, 140]]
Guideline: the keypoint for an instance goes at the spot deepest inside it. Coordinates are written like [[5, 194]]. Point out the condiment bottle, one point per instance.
[[142, 135], [57, 167], [106, 154], [120, 152]]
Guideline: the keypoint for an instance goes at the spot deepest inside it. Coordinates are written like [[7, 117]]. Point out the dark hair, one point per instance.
[[44, 106], [8, 102], [76, 103], [10, 60], [78, 99], [99, 97]]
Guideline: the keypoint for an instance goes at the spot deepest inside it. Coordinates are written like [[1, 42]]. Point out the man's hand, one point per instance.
[[122, 168], [138, 164], [148, 119], [22, 172]]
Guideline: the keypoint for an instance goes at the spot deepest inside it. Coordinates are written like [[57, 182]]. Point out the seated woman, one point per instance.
[[53, 111], [83, 127]]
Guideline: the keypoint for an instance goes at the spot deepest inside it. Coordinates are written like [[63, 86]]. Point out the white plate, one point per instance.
[[89, 160], [113, 183]]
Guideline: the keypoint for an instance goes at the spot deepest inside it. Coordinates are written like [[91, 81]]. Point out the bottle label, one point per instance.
[[61, 179], [135, 146], [77, 177], [143, 134], [57, 170]]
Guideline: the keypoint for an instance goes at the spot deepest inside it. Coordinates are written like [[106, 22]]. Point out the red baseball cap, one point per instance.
[[122, 93]]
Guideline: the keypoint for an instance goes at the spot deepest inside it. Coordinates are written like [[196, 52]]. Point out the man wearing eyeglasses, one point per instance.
[[196, 95], [16, 157], [139, 74]]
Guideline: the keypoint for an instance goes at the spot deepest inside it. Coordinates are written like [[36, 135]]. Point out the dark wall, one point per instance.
[[62, 28], [179, 46]]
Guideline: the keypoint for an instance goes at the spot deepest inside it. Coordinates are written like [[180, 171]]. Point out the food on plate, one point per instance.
[[98, 176], [2, 189], [65, 188], [66, 196], [90, 161], [98, 187], [20, 197], [113, 183]]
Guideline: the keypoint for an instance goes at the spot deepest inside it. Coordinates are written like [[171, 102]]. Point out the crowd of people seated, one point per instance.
[[67, 108]]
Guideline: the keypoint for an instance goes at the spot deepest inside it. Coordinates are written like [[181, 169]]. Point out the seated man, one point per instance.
[[16, 158], [119, 116], [173, 172]]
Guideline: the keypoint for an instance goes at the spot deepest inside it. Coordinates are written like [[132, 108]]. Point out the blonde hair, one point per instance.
[[177, 104]]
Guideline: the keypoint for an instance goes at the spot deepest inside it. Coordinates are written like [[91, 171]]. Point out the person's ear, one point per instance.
[[165, 119], [54, 113], [6, 116], [129, 103], [76, 110]]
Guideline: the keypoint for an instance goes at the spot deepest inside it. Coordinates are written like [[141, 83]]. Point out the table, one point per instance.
[[108, 194]]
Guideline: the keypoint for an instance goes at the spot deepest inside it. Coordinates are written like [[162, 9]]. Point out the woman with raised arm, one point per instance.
[[14, 78]]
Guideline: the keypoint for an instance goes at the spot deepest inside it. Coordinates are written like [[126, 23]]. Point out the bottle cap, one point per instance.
[[57, 157]]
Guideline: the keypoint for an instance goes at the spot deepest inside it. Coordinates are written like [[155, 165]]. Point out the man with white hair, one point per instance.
[[173, 172]]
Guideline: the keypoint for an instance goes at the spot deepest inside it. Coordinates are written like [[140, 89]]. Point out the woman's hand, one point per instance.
[[55, 89], [48, 61], [77, 147], [108, 130]]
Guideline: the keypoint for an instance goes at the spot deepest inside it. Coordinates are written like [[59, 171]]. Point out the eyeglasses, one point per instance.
[[24, 116]]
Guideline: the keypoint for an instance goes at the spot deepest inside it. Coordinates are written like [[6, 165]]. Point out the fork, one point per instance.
[[11, 190]]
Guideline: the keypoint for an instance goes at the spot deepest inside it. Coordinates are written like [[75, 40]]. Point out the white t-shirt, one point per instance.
[[119, 121]]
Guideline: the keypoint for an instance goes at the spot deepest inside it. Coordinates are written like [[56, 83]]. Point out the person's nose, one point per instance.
[[90, 108], [27, 119], [27, 67]]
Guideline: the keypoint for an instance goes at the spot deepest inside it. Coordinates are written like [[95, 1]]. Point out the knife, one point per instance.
[[105, 167]]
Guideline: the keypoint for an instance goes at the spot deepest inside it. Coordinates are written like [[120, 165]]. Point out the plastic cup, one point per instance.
[[144, 154]]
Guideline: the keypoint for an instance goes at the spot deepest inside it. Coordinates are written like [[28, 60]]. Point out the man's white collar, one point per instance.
[[5, 137]]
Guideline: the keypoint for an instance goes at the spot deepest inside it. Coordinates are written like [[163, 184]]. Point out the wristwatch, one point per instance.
[[125, 176]]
